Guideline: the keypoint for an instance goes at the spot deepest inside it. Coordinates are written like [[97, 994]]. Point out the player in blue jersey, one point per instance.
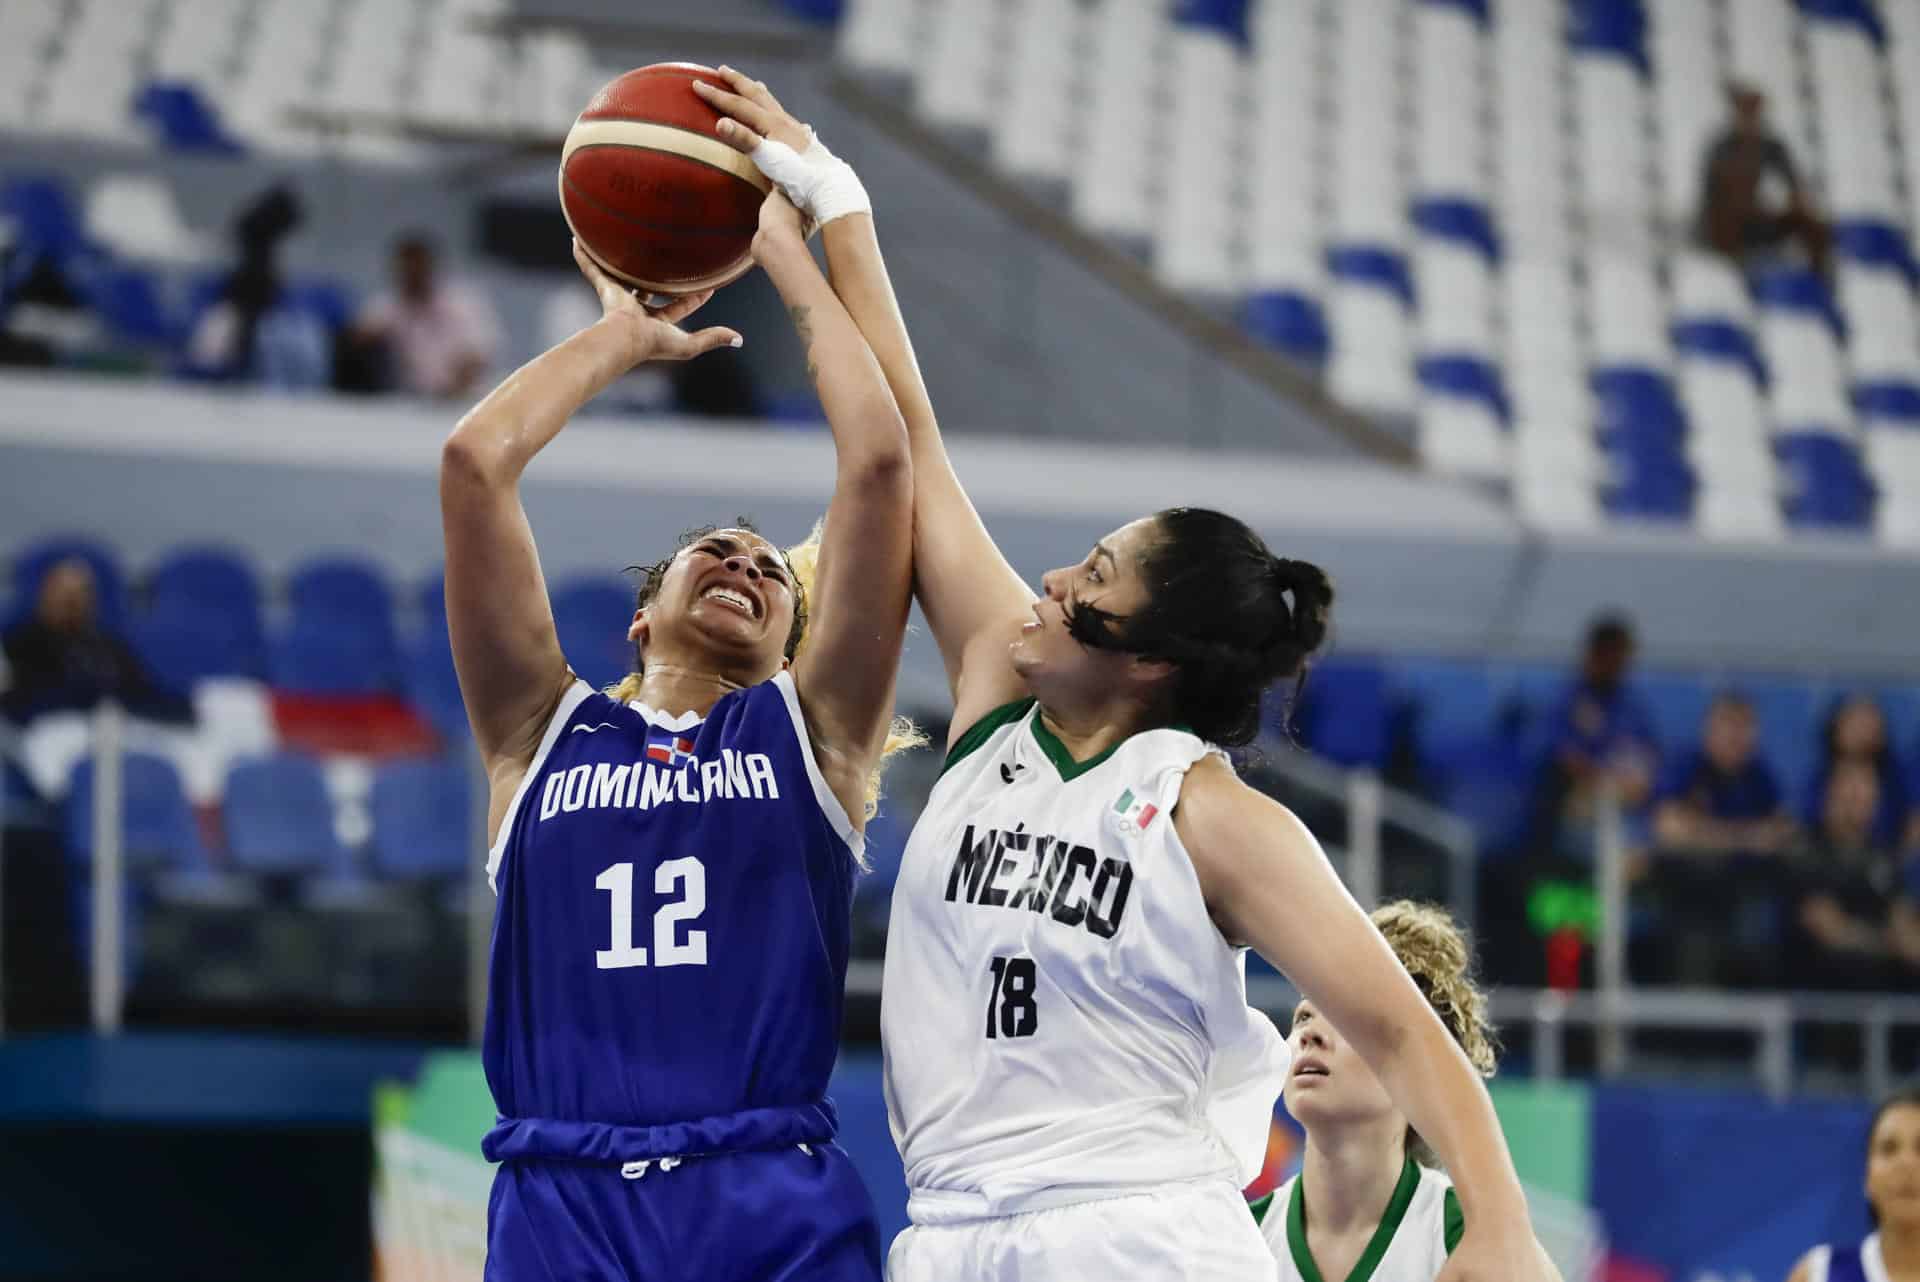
[[1064, 1071], [1891, 1253], [674, 860]]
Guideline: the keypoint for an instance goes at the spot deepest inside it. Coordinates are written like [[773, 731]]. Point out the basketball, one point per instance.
[[651, 191]]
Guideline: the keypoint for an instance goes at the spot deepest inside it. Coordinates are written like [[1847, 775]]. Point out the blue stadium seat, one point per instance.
[[1888, 402], [1469, 377], [206, 578], [824, 12], [433, 687], [1635, 394], [422, 820], [1346, 713], [1719, 340], [1374, 265], [341, 640], [323, 656], [32, 562], [183, 119], [1827, 482], [1797, 289], [1464, 221], [279, 819], [158, 827], [430, 598], [591, 615], [1616, 27], [1875, 244], [41, 213], [1476, 8], [1228, 17], [181, 646], [342, 584], [1291, 321], [1860, 13], [129, 301], [1650, 478], [1901, 703]]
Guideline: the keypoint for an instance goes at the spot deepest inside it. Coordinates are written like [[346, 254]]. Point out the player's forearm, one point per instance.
[[1431, 1081], [867, 432], [496, 439], [963, 582]]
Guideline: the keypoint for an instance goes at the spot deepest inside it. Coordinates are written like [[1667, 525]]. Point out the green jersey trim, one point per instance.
[[982, 730], [1061, 758], [1260, 1207], [1455, 1223], [1376, 1245]]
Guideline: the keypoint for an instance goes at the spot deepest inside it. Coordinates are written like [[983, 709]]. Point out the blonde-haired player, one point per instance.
[[1370, 1204]]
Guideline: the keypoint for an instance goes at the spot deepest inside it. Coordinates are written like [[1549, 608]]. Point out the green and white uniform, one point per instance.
[[1075, 1081], [1421, 1227]]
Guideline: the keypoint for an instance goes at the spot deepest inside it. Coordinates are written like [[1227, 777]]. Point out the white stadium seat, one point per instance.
[[1193, 246], [959, 79], [881, 35], [1372, 362], [1803, 358], [1033, 126], [1455, 287], [1462, 437], [1879, 306], [1707, 285], [1626, 313], [1113, 178]]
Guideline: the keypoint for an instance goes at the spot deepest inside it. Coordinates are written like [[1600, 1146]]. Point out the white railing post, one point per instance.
[[1610, 959], [109, 873], [1364, 805], [1776, 1050], [479, 902]]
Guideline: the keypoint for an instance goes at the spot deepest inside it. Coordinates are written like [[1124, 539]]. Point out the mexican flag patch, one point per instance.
[[1135, 812]]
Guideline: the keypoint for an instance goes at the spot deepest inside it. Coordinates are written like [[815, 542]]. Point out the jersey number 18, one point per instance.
[[1011, 1011]]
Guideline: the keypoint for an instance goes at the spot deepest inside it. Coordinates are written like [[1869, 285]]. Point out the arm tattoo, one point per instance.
[[804, 327]]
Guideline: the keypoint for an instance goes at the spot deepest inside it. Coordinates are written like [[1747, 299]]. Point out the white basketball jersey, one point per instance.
[[1062, 1020], [1421, 1227]]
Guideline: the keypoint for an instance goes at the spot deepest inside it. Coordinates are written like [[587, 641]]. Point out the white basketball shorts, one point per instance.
[[1193, 1233]]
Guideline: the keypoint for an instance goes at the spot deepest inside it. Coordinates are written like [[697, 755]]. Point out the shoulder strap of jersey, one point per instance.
[[1453, 1223], [1845, 1265], [1260, 1206], [982, 730]]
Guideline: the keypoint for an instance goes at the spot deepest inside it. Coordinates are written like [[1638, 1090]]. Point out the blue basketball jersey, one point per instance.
[[670, 940]]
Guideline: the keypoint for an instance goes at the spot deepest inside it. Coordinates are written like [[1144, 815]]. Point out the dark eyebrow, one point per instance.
[[1101, 549]]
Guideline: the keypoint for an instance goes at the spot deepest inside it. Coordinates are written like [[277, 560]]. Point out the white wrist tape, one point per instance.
[[820, 184]]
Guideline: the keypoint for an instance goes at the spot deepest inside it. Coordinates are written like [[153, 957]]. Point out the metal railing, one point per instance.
[[1614, 1011]]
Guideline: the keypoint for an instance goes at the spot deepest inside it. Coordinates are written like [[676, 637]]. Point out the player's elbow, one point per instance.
[[469, 460], [880, 464]]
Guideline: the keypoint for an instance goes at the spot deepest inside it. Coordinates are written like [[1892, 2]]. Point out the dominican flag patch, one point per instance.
[[668, 747], [1135, 812]]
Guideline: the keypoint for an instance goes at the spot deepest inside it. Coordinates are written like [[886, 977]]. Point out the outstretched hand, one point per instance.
[[752, 112], [656, 331]]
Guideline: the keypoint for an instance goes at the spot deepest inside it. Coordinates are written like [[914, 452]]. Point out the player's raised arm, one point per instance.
[[1268, 884], [974, 601], [858, 611], [505, 650]]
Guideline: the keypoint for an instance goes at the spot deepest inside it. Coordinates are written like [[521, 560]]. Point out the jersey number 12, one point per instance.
[[1011, 1011], [667, 950]]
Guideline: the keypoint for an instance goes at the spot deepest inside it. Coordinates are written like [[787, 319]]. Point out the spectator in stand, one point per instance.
[[255, 331], [1848, 884], [1601, 736], [60, 657], [1723, 798], [1752, 200], [1856, 731], [442, 337], [1717, 889]]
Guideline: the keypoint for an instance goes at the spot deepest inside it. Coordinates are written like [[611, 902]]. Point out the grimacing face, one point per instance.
[[1327, 1080], [1109, 577], [728, 594], [1893, 1166]]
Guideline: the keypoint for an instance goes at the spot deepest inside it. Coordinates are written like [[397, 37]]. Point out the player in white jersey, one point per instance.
[[1073, 1076], [1366, 1207], [1892, 1252]]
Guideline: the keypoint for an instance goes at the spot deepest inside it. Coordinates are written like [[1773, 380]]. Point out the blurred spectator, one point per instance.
[[60, 657], [442, 336], [256, 331], [1723, 797], [1856, 731], [1849, 880], [1742, 214], [1601, 734]]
